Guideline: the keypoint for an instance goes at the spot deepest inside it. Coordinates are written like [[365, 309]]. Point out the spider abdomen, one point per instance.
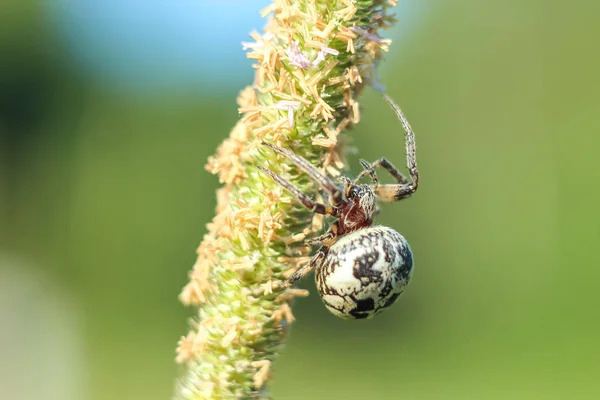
[[364, 272]]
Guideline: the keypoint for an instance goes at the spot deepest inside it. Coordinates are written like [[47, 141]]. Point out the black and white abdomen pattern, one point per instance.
[[364, 272]]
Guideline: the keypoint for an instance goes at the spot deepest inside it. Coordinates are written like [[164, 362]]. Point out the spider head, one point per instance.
[[361, 206]]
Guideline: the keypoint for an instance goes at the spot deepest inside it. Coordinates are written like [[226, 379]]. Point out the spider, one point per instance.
[[360, 269]]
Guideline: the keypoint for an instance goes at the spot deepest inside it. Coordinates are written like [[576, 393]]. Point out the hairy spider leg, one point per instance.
[[367, 169], [305, 269], [344, 180], [313, 206], [405, 187], [325, 238], [383, 162], [323, 180]]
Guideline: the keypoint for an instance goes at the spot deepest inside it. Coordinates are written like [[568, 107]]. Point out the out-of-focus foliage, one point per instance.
[[103, 197]]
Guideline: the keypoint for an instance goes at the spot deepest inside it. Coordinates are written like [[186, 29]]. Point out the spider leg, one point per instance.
[[383, 162], [370, 170], [347, 184], [405, 187], [323, 180], [328, 236], [387, 192], [304, 270], [318, 208]]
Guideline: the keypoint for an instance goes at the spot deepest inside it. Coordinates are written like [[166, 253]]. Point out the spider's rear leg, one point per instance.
[[304, 270], [318, 208], [325, 238]]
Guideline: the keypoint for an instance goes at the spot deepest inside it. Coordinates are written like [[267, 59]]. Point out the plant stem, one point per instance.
[[311, 63]]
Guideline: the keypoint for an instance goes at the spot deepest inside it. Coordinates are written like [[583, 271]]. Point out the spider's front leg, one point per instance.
[[314, 206], [405, 187], [384, 163], [344, 180], [323, 180], [304, 270], [368, 169]]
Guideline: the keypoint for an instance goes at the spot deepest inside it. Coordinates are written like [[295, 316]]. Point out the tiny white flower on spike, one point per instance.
[[296, 57], [288, 105], [321, 55], [328, 50]]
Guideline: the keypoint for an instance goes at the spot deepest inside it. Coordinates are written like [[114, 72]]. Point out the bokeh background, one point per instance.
[[109, 109]]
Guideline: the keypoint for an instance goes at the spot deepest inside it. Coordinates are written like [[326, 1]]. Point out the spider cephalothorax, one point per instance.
[[359, 208], [360, 269]]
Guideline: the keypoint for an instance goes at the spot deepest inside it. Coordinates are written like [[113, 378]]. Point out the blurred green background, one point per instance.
[[103, 200]]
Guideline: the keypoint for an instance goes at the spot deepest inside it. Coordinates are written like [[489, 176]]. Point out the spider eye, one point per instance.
[[353, 192]]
